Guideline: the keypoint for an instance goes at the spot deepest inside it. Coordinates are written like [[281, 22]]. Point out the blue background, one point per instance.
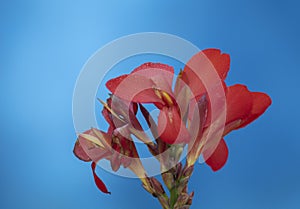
[[44, 44]]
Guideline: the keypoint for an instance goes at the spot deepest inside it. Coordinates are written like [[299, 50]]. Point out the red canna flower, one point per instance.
[[198, 113], [203, 76]]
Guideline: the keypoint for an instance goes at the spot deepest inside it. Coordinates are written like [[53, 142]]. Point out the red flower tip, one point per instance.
[[113, 84], [244, 106], [99, 183], [220, 61], [260, 103]]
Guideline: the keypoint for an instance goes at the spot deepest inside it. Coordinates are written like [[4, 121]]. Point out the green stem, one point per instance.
[[173, 197]]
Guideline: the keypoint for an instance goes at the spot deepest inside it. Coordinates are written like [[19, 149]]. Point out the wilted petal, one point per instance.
[[80, 153], [126, 161], [115, 161], [104, 138], [95, 144], [99, 183]]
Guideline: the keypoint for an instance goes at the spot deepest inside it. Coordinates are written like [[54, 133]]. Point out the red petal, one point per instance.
[[215, 102], [171, 129], [219, 157], [239, 103], [93, 151], [80, 153], [134, 88], [79, 148], [161, 74], [101, 186], [220, 61], [115, 161], [244, 106], [154, 65], [199, 71], [139, 85], [261, 102], [113, 84]]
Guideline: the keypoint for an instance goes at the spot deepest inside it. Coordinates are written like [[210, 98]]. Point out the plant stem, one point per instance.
[[173, 197]]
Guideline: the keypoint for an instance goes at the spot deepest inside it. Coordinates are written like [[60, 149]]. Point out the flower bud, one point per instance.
[[164, 202], [182, 200], [147, 185], [189, 202], [168, 179], [153, 149], [178, 170], [187, 172], [157, 187], [182, 185]]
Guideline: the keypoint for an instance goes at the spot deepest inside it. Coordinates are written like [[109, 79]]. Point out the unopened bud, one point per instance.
[[182, 185], [153, 149], [162, 146], [168, 179], [182, 200], [164, 202], [157, 187], [189, 202], [147, 185], [178, 170], [187, 172]]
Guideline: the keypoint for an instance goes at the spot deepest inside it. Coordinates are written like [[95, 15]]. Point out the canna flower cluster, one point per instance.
[[196, 111]]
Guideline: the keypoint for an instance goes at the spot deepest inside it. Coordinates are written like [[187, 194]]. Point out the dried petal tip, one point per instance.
[[99, 183], [80, 153]]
